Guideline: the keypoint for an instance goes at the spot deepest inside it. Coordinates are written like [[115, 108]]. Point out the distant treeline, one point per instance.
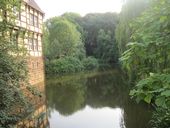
[[73, 43]]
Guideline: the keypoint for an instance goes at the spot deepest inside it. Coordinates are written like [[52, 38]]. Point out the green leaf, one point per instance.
[[168, 103], [163, 19], [166, 93], [160, 101], [132, 92], [143, 82], [148, 98]]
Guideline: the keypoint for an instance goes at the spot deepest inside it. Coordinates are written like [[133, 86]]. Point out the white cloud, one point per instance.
[[58, 7]]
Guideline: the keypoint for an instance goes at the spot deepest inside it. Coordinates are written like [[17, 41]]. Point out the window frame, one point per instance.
[[36, 24], [33, 19], [33, 43]]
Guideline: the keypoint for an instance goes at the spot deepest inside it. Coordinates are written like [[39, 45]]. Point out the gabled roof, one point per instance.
[[33, 4]]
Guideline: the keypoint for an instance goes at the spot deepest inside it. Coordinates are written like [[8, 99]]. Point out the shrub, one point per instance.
[[90, 63], [64, 65], [161, 118], [154, 89]]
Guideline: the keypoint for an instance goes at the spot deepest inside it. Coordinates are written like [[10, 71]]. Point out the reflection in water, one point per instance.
[[93, 101], [122, 122], [68, 98], [87, 117], [38, 117]]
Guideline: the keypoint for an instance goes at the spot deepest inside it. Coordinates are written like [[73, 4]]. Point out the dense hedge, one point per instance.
[[90, 63], [70, 65]]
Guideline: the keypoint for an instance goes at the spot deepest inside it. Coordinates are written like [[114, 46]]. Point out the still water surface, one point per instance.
[[93, 100]]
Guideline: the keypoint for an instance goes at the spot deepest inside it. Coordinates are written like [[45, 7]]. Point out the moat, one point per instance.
[[93, 100]]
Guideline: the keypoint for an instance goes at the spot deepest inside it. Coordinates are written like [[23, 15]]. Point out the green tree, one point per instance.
[[89, 27], [64, 39], [73, 17], [92, 23], [45, 41], [130, 10], [76, 19], [105, 49], [148, 57]]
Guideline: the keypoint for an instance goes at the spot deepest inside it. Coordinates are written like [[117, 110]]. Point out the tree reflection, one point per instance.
[[100, 90], [106, 90], [66, 97]]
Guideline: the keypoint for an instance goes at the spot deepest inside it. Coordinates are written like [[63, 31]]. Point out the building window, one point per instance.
[[36, 44], [32, 19], [36, 21], [35, 65], [33, 43]]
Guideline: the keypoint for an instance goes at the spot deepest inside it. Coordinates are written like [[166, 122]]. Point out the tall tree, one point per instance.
[[92, 23], [64, 39], [130, 10], [76, 19], [106, 47], [148, 56]]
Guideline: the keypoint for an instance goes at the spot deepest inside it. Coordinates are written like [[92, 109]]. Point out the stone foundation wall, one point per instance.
[[36, 70], [38, 119]]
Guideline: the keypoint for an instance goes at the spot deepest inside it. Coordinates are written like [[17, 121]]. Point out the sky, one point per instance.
[[58, 7]]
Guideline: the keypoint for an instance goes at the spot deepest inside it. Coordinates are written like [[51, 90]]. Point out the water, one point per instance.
[[93, 100]]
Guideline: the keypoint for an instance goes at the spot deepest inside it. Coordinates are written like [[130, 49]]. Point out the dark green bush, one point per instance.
[[64, 65], [161, 118], [70, 65], [90, 63]]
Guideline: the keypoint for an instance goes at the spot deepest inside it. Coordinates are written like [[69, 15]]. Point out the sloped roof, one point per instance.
[[33, 4]]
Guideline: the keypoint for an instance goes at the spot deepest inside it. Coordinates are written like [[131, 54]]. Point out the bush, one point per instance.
[[64, 65], [161, 118], [70, 65], [153, 90], [90, 63]]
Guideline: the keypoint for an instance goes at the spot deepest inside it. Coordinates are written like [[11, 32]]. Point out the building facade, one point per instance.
[[30, 18]]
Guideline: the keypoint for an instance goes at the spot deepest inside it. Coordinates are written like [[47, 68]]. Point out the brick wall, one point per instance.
[[36, 70]]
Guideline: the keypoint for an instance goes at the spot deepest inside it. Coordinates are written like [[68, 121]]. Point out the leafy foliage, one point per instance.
[[63, 39], [123, 29], [14, 104], [73, 36], [160, 118], [154, 89], [70, 65], [106, 48], [148, 57], [90, 63], [91, 27], [64, 65], [92, 23], [150, 50], [13, 69]]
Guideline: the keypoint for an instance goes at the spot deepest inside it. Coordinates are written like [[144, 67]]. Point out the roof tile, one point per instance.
[[33, 4]]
